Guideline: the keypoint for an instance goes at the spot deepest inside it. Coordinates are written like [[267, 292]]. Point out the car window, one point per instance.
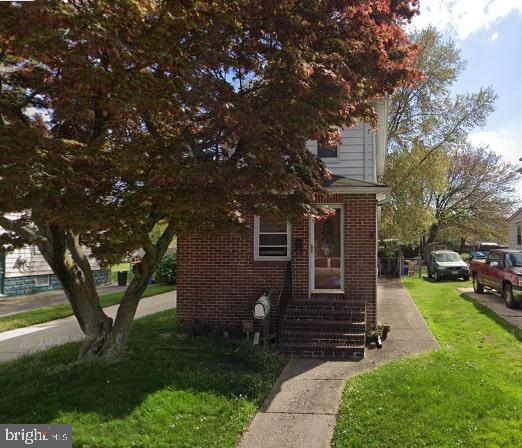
[[448, 256], [514, 260], [494, 257]]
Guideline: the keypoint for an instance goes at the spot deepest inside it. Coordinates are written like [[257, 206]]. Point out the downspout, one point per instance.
[[2, 274]]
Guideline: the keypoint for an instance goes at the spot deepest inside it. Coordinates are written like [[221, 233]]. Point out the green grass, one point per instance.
[[52, 312], [467, 394], [170, 390]]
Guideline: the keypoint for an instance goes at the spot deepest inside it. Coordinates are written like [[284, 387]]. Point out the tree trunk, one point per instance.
[[432, 235], [104, 339], [462, 244]]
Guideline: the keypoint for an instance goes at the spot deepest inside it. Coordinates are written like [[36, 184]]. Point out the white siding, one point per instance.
[[355, 154], [35, 263], [361, 152], [515, 221]]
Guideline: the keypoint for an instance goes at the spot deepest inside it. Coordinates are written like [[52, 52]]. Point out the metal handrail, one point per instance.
[[284, 297]]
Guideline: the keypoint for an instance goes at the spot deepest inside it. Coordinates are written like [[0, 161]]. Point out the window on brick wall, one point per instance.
[[271, 238]]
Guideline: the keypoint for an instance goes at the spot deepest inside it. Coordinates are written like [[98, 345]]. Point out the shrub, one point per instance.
[[166, 270]]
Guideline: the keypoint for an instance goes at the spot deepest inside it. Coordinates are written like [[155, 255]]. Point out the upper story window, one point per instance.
[[325, 151], [271, 238], [519, 234]]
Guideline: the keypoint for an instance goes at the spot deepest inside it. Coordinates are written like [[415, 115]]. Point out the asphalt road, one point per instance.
[[17, 342]]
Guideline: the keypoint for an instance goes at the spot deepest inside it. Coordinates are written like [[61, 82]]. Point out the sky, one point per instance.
[[489, 34]]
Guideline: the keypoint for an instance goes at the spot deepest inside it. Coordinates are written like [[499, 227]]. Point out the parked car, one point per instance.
[[481, 250], [477, 255], [447, 264], [501, 271]]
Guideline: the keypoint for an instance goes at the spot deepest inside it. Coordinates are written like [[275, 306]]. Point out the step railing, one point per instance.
[[284, 297]]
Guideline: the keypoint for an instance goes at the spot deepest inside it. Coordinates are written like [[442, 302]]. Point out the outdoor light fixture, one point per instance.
[[299, 245]]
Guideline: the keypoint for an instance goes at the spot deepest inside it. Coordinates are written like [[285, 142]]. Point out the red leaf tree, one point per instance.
[[115, 115]]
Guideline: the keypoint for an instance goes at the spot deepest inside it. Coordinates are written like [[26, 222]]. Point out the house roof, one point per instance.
[[340, 184], [515, 215]]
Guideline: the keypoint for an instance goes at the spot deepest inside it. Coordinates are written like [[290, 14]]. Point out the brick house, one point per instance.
[[323, 272]]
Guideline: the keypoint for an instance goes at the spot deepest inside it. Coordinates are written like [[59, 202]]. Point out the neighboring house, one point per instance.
[[24, 271], [515, 230], [328, 301]]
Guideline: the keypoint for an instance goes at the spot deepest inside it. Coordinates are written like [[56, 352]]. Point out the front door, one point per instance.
[[326, 253]]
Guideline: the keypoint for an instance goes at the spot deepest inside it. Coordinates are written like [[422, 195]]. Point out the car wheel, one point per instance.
[[477, 286], [508, 296], [438, 277], [466, 278], [430, 275]]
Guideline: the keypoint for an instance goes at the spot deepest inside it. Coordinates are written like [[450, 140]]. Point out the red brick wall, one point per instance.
[[219, 281]]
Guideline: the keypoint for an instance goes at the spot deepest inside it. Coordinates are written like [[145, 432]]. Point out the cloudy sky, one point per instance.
[[489, 33]]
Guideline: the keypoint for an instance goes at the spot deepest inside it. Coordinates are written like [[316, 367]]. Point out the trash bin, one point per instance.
[[405, 270], [122, 278]]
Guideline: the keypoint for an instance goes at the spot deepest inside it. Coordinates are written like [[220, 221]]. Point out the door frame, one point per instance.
[[311, 254]]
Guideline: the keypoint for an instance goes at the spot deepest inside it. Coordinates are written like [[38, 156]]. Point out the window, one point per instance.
[[272, 238], [42, 280], [326, 152], [519, 234]]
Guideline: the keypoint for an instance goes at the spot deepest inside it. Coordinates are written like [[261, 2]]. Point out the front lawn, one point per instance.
[[52, 312], [169, 391], [468, 394]]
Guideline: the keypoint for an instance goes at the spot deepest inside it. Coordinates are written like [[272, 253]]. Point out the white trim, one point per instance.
[[311, 266], [42, 284], [328, 160], [327, 291], [258, 257], [359, 190]]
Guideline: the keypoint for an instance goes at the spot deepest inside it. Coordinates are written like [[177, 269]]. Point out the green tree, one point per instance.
[[427, 123], [478, 198], [118, 115]]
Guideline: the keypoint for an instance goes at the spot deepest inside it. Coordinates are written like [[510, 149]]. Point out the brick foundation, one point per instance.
[[219, 280]]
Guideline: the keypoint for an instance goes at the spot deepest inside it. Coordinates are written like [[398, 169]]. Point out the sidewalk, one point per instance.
[[14, 343], [302, 407], [19, 304]]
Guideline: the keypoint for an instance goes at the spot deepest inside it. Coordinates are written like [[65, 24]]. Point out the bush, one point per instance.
[[166, 270]]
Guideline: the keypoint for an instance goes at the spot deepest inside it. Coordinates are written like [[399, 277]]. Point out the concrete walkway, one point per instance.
[[19, 304], [495, 302], [14, 343], [301, 410]]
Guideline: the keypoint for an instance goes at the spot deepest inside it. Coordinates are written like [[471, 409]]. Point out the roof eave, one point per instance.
[[374, 189]]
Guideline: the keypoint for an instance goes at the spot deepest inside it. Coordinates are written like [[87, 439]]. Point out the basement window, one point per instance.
[[42, 280], [271, 238]]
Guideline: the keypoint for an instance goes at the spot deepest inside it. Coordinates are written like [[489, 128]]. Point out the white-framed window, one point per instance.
[[272, 241], [42, 280], [519, 234]]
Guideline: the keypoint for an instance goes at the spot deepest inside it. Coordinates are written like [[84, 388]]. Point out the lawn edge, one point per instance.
[[50, 307]]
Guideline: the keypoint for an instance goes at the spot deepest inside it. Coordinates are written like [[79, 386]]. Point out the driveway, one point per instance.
[[17, 342], [495, 302]]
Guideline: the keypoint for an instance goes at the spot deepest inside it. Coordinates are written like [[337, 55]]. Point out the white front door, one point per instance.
[[327, 253]]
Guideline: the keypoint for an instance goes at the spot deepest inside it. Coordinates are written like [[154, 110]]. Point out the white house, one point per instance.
[[515, 230], [24, 271]]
